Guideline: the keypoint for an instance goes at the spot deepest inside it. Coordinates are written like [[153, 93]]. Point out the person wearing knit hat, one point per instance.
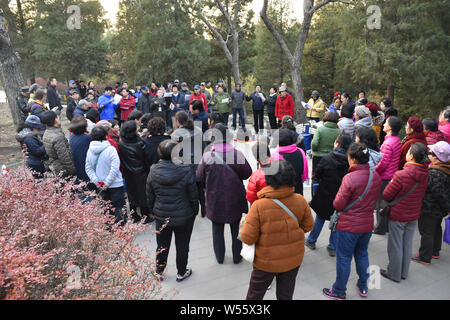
[[435, 204], [30, 138], [415, 134], [362, 115], [318, 107]]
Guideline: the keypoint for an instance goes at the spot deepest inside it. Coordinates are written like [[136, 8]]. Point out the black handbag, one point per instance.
[[386, 211]]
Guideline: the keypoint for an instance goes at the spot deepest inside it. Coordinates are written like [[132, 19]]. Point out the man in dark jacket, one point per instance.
[[82, 108], [144, 101], [238, 99], [22, 102], [54, 100], [258, 99], [173, 199], [72, 104]]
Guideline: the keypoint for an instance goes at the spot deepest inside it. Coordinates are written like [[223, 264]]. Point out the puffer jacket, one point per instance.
[[364, 122], [408, 209], [436, 202], [434, 137], [225, 191], [34, 146], [172, 193], [359, 218], [330, 172], [59, 152], [135, 169], [347, 126], [407, 142], [378, 123], [108, 164], [391, 150], [256, 183], [374, 159], [445, 129], [323, 141], [279, 240]]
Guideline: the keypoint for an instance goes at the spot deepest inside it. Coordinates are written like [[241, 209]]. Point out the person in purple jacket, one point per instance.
[[223, 170], [387, 167]]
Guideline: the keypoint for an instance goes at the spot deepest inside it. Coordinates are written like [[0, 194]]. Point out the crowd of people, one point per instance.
[[169, 153]]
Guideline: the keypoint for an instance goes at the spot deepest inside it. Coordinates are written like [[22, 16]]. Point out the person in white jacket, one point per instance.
[[103, 169]]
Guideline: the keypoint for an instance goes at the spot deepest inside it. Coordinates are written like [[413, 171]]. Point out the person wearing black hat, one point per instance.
[[318, 107], [221, 84], [22, 102], [30, 138]]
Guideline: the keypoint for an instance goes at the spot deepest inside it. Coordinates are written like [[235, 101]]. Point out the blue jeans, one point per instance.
[[348, 245], [315, 233], [241, 117]]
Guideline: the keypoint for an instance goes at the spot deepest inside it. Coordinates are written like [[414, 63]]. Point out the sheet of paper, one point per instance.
[[261, 95], [225, 100], [117, 98], [306, 106], [168, 95], [187, 97]]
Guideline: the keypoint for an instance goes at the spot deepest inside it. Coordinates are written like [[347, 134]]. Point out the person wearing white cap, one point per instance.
[[435, 204]]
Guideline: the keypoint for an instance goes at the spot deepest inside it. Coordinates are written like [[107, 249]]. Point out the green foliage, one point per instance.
[[49, 48]]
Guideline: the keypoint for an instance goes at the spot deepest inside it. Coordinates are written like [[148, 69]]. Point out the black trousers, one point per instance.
[[315, 163], [382, 222], [261, 280], [182, 240], [202, 198], [219, 241], [258, 117], [431, 242], [273, 121], [117, 198], [226, 116]]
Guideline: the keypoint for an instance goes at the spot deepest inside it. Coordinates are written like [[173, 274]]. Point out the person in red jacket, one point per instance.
[[414, 130], [355, 224], [199, 96], [127, 105], [284, 106], [257, 181], [404, 215], [432, 133]]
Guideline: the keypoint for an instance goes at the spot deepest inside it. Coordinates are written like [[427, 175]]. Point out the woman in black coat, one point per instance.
[[156, 129], [173, 201], [270, 102], [330, 172], [135, 167]]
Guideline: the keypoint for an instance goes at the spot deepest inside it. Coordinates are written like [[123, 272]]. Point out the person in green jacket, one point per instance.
[[323, 141], [222, 103]]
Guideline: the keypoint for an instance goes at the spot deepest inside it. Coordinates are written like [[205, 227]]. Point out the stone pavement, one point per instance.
[[211, 281]]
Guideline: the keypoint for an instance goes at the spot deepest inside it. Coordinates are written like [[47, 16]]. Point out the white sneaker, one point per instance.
[[187, 274]]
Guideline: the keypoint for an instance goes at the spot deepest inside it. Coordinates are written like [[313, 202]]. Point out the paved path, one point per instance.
[[211, 281]]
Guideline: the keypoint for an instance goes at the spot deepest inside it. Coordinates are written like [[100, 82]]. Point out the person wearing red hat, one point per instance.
[[378, 118], [414, 130]]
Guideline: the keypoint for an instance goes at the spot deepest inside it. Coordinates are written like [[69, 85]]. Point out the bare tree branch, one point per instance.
[[325, 2], [278, 37], [225, 13]]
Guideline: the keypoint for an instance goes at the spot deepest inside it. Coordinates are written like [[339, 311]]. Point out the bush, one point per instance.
[[54, 246]]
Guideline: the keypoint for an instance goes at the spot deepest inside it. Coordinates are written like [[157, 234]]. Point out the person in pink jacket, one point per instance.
[[388, 166], [444, 123]]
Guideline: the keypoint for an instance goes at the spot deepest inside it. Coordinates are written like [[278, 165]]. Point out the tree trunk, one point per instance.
[[391, 92], [235, 66], [11, 75], [300, 112]]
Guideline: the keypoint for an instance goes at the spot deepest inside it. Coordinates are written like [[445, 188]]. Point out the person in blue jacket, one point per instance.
[[258, 108], [106, 105]]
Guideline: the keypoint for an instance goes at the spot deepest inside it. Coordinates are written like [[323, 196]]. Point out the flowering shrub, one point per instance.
[[55, 246]]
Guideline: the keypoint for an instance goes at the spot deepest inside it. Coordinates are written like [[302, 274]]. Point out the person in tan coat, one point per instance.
[[279, 240]]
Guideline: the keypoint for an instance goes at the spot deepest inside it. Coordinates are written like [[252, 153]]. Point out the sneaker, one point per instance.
[[436, 257], [331, 252], [331, 295], [384, 273], [421, 260], [186, 275], [362, 293], [310, 245]]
